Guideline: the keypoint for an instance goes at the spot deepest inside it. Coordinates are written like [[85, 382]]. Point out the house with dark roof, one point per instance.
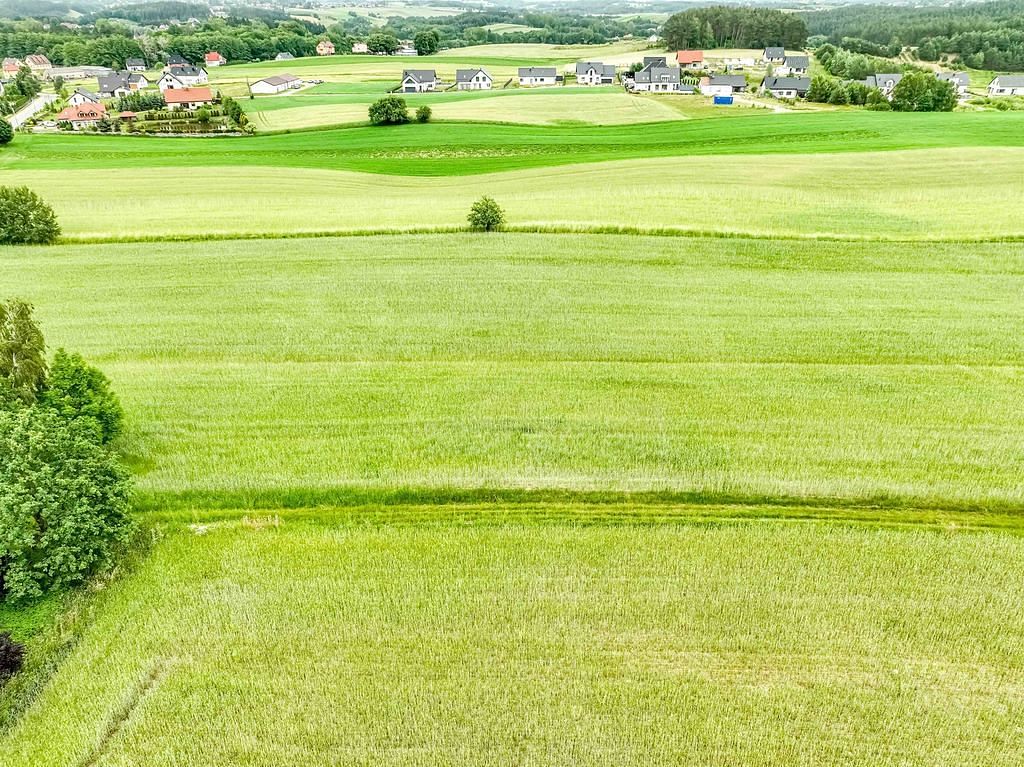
[[960, 81], [82, 96], [773, 55], [793, 65], [786, 87], [419, 80], [473, 80], [113, 86], [594, 73], [532, 77], [655, 61], [657, 78], [182, 77], [1007, 85], [135, 65], [883, 82], [275, 84], [722, 85], [176, 61]]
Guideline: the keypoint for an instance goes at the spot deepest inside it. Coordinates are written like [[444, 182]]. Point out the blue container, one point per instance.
[[723, 101]]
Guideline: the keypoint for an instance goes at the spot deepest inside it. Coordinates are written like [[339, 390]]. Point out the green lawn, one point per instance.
[[498, 643], [893, 195], [722, 367], [445, 149]]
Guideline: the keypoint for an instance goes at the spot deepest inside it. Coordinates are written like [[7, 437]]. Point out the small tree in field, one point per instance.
[[6, 132], [390, 110], [24, 218], [486, 215], [423, 114]]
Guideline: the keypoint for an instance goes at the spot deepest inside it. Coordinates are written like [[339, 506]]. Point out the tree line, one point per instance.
[[986, 35], [734, 27]]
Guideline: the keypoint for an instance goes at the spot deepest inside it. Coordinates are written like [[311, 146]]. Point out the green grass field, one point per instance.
[[722, 367], [715, 457], [494, 644]]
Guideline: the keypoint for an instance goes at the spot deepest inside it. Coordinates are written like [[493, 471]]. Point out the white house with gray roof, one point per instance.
[[419, 80], [884, 82], [473, 80], [773, 54], [534, 77], [793, 65], [82, 96], [960, 81], [657, 79], [594, 73], [786, 87], [722, 85], [1007, 85]]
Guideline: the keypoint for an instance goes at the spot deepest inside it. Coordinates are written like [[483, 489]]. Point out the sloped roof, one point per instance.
[[736, 81], [278, 79], [420, 75], [798, 84], [605, 70], [82, 112], [797, 62], [656, 74], [689, 57], [538, 72], [467, 75], [187, 95], [1009, 81], [775, 52]]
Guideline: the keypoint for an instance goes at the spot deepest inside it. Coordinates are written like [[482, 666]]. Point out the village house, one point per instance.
[[182, 77], [83, 115], [82, 96], [532, 77], [594, 73], [473, 80], [1007, 85], [356, 48], [284, 56], [275, 84], [176, 61], [960, 81], [407, 49], [655, 61], [657, 77], [326, 48], [121, 84], [883, 82], [419, 80], [738, 62], [691, 59], [11, 67], [722, 85], [793, 65], [38, 63], [188, 98], [786, 87], [773, 55], [135, 65], [214, 59]]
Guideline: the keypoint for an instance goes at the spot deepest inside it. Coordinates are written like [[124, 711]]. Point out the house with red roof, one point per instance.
[[83, 115], [188, 98], [11, 66], [690, 59], [214, 59]]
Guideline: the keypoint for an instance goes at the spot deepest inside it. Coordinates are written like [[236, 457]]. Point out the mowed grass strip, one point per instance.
[[728, 367], [754, 644], [885, 195], [447, 149]]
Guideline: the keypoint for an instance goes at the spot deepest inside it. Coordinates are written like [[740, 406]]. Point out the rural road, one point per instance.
[[31, 108]]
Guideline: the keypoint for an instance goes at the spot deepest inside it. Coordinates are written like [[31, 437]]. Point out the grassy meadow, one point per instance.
[[887, 195], [425, 643], [715, 366], [715, 456]]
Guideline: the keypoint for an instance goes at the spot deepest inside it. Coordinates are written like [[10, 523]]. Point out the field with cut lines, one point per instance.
[[494, 644], [715, 456]]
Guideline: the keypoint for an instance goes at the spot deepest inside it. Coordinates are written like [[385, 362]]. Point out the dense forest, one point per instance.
[[734, 27], [984, 35]]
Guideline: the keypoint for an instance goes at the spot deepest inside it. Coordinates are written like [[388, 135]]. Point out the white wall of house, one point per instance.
[[77, 99], [412, 86], [479, 82], [783, 71], [529, 82], [656, 87], [994, 89], [717, 90]]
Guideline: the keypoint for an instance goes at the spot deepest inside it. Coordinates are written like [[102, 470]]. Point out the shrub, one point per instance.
[[486, 215], [6, 132], [77, 391], [63, 503], [25, 219], [423, 114], [12, 656], [390, 110]]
